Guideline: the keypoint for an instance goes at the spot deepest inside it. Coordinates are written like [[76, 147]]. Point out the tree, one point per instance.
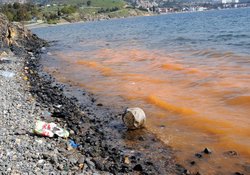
[[68, 9], [88, 3], [16, 5], [9, 15]]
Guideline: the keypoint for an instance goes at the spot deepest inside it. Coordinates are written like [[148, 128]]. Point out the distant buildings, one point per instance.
[[229, 1]]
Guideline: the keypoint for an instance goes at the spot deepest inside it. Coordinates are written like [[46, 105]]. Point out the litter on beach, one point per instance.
[[73, 144], [49, 130], [7, 74], [134, 118]]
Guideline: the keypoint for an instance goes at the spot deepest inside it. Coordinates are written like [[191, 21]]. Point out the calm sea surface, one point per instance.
[[190, 72]]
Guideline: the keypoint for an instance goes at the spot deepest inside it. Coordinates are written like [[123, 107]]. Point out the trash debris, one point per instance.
[[7, 74], [73, 144], [58, 106], [46, 114], [134, 118], [49, 130]]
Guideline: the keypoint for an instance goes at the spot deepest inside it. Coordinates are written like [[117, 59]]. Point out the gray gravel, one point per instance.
[[22, 152]]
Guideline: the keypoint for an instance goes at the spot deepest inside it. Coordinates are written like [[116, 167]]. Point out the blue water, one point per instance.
[[217, 31], [170, 65]]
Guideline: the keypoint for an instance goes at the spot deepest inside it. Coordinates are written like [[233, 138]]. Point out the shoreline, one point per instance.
[[103, 135], [40, 25], [105, 145]]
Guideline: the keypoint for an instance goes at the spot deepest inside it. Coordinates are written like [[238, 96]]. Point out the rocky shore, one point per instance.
[[28, 94]]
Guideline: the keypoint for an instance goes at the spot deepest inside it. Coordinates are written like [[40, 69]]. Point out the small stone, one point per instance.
[[186, 172], [74, 168], [39, 141], [192, 162], [238, 173], [81, 160], [20, 132], [81, 165], [90, 164], [40, 161], [138, 167], [71, 132], [60, 167], [207, 151], [73, 160], [198, 155], [141, 138], [126, 160], [69, 148], [230, 153], [30, 53]]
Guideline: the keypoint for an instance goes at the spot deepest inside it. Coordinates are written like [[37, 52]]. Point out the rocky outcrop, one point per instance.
[[16, 36]]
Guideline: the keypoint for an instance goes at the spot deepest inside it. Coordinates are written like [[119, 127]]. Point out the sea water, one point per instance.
[[190, 72]]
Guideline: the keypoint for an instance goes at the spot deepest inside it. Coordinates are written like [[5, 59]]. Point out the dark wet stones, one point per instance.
[[138, 167], [207, 151], [238, 173], [192, 163], [198, 155], [182, 170], [186, 172]]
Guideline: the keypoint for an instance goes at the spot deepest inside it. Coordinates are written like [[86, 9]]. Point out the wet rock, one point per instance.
[[138, 167], [60, 167], [207, 151], [192, 162], [126, 160], [90, 164], [99, 165], [230, 153], [238, 173], [186, 172], [20, 132], [198, 155]]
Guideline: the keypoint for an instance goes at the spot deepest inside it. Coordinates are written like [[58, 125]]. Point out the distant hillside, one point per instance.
[[12, 1]]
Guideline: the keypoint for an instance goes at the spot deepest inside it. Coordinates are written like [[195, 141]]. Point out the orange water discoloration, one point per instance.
[[169, 107], [240, 100], [197, 104], [105, 71], [175, 67]]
